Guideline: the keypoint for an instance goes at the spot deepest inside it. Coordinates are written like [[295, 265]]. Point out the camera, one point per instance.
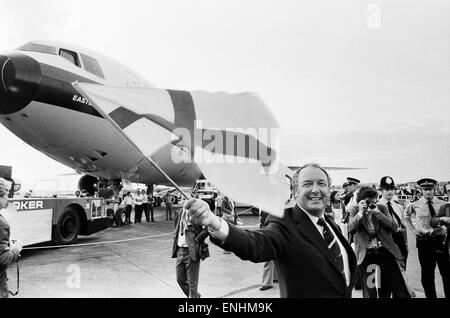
[[371, 205]]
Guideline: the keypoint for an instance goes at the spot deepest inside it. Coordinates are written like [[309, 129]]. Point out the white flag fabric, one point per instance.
[[232, 138]]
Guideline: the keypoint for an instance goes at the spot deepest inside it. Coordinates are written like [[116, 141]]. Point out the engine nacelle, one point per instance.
[[89, 184], [92, 184]]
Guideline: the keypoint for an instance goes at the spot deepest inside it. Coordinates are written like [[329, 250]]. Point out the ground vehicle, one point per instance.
[[61, 220], [204, 190], [58, 219]]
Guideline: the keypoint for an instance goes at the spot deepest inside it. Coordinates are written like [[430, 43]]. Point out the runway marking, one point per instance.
[[96, 243]]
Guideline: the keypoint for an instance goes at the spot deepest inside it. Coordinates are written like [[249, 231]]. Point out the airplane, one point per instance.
[[39, 105]]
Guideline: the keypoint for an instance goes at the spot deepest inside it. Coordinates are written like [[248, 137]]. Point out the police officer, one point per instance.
[[9, 251], [397, 213], [353, 186], [429, 240]]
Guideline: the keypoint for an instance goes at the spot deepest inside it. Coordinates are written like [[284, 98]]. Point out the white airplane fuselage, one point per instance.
[[39, 105]]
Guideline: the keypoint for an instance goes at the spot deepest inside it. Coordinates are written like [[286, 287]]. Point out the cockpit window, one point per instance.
[[33, 47], [71, 56], [91, 65]]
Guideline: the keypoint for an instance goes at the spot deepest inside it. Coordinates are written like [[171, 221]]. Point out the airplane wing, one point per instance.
[[232, 138]]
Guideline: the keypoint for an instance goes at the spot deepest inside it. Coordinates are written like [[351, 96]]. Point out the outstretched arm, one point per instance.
[[257, 246]]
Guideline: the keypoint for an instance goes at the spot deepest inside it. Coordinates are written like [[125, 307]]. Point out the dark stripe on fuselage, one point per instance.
[[56, 89]]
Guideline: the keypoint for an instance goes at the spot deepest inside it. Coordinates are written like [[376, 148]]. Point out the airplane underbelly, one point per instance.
[[90, 144]]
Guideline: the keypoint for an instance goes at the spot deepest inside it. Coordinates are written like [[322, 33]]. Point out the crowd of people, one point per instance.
[[144, 203], [330, 242]]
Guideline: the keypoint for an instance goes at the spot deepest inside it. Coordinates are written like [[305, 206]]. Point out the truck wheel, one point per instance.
[[68, 226], [255, 211], [120, 217]]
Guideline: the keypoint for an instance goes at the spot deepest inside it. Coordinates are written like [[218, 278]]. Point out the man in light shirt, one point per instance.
[[430, 241], [312, 257], [189, 248]]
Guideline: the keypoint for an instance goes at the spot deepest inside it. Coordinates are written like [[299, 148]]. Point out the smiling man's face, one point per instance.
[[313, 191]]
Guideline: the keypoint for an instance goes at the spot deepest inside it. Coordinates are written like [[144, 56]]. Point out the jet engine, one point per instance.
[[105, 188], [88, 184]]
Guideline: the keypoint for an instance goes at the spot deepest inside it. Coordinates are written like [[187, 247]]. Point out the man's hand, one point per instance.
[[440, 231], [423, 235], [445, 220], [362, 207], [199, 213]]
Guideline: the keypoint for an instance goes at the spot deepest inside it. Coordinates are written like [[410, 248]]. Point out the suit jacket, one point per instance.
[[227, 207], [444, 210], [195, 239], [384, 227], [228, 211], [400, 238], [304, 263]]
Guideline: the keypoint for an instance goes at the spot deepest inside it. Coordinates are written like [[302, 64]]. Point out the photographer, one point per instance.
[[9, 251], [375, 248]]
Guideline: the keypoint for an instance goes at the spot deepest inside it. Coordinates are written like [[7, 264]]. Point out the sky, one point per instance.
[[352, 83]]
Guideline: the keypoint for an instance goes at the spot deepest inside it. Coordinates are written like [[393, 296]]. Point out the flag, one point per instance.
[[232, 138]]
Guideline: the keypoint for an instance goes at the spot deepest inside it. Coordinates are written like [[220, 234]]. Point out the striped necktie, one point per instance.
[[333, 245]]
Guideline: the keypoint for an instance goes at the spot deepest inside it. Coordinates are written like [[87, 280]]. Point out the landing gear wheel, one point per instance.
[[68, 226], [255, 211]]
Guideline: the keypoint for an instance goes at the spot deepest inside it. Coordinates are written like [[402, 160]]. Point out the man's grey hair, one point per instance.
[[294, 181]]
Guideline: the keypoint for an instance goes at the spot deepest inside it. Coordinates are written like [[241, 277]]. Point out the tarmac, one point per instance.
[[134, 261]]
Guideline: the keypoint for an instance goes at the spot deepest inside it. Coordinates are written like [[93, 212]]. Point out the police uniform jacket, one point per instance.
[[420, 215]]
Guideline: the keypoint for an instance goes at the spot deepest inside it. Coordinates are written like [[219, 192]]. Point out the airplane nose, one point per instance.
[[20, 77]]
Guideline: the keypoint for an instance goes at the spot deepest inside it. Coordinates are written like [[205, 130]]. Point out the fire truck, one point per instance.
[[58, 219]]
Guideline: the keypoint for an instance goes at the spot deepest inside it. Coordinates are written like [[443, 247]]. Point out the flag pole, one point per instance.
[[106, 115], [164, 174]]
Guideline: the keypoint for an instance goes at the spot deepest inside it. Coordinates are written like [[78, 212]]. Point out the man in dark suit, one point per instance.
[[189, 248], [312, 258], [228, 213]]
